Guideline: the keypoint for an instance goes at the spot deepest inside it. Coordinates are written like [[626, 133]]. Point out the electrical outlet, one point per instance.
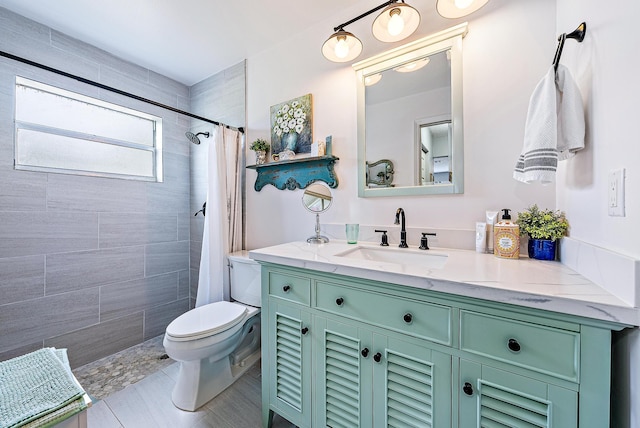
[[616, 193], [613, 191]]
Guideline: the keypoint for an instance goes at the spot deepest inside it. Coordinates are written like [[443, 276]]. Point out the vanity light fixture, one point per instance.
[[342, 46], [396, 22], [372, 79], [413, 66], [458, 8]]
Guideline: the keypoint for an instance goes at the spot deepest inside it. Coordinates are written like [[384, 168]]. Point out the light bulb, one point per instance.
[[462, 4], [342, 48], [396, 23]]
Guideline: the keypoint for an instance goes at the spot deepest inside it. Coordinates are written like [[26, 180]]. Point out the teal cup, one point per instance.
[[352, 231]]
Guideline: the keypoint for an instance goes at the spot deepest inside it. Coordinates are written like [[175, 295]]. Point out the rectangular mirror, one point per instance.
[[410, 117]]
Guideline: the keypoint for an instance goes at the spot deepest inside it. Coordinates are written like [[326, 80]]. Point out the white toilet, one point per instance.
[[216, 343]]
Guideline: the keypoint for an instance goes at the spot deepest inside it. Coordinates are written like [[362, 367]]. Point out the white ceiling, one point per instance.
[[190, 40], [187, 40]]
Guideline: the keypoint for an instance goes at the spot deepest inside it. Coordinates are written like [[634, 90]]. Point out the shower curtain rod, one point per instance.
[[117, 91]]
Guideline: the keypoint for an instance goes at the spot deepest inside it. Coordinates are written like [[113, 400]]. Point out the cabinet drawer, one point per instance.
[[289, 287], [420, 319], [543, 349]]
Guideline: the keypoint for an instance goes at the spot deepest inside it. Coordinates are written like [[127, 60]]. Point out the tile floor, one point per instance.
[[140, 399], [110, 374]]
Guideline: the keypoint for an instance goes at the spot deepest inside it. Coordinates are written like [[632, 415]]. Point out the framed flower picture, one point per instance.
[[291, 124]]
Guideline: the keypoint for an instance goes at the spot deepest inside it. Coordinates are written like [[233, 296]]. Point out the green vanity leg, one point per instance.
[[595, 384], [267, 413], [267, 417]]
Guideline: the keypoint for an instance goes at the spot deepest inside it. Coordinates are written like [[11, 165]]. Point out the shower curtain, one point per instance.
[[223, 221]]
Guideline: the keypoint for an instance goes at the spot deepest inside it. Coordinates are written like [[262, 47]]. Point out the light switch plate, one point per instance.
[[615, 193]]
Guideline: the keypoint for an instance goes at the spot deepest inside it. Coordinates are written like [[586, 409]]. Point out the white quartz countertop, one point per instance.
[[525, 282]]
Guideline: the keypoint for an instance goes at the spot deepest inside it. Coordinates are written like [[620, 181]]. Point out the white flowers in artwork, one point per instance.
[[290, 118]]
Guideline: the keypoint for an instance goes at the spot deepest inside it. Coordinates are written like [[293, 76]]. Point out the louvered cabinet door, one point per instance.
[[412, 384], [490, 397], [343, 375], [290, 339]]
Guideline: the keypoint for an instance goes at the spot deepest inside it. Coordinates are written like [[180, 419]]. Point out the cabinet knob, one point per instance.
[[467, 388], [513, 345], [339, 301], [378, 357], [365, 352], [304, 330], [286, 288], [408, 318]]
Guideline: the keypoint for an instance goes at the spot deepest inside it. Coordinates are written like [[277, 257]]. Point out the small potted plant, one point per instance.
[[261, 147], [544, 228]]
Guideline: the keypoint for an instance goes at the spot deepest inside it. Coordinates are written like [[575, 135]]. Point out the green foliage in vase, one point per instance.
[[260, 145], [542, 224]]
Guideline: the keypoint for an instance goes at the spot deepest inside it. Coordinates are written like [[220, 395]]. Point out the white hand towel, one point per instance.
[[571, 127], [554, 128]]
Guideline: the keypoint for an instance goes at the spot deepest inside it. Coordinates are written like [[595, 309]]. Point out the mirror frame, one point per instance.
[[444, 40]]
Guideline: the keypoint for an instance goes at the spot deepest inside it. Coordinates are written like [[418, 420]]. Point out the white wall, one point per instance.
[[502, 64], [605, 65]]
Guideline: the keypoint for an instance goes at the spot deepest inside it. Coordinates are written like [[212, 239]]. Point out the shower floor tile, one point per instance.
[[115, 372]]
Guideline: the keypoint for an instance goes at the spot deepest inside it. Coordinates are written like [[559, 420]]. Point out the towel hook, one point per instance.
[[577, 34]]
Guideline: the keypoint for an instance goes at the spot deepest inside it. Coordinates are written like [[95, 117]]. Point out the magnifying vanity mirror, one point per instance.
[[317, 199], [410, 130]]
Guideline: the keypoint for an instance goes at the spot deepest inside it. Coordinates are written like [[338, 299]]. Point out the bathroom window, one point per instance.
[[61, 131]]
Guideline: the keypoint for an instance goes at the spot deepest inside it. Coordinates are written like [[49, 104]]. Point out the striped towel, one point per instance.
[[554, 129]]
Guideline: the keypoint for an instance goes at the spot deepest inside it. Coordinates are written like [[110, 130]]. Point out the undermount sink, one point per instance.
[[399, 256]]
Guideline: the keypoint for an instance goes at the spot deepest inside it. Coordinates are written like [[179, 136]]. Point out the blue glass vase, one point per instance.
[[542, 249]]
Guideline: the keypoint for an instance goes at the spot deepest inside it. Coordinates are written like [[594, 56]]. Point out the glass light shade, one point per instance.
[[413, 66], [396, 22], [342, 46], [372, 79], [458, 8]]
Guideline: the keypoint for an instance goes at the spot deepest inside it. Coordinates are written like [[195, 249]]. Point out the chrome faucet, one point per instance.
[[403, 231]]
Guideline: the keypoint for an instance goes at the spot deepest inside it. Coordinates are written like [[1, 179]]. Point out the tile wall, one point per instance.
[[94, 265], [221, 97]]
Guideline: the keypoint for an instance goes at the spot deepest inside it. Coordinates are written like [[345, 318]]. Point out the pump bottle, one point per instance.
[[506, 237]]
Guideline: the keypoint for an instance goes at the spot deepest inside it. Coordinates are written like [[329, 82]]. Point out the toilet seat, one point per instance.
[[206, 321]]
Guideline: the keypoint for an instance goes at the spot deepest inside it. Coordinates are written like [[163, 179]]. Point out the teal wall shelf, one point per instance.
[[296, 173]]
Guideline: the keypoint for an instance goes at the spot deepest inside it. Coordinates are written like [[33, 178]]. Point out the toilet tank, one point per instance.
[[244, 276]]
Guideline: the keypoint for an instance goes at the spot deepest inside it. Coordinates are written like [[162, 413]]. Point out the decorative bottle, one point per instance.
[[506, 237]]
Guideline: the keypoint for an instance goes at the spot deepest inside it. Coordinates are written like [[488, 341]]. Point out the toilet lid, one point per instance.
[[207, 320]]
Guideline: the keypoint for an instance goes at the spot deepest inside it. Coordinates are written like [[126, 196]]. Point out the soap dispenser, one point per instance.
[[506, 237]]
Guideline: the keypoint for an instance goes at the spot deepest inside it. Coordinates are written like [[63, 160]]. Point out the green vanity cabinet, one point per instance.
[[290, 354], [343, 374], [286, 345], [342, 351], [368, 379], [493, 397], [411, 385]]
